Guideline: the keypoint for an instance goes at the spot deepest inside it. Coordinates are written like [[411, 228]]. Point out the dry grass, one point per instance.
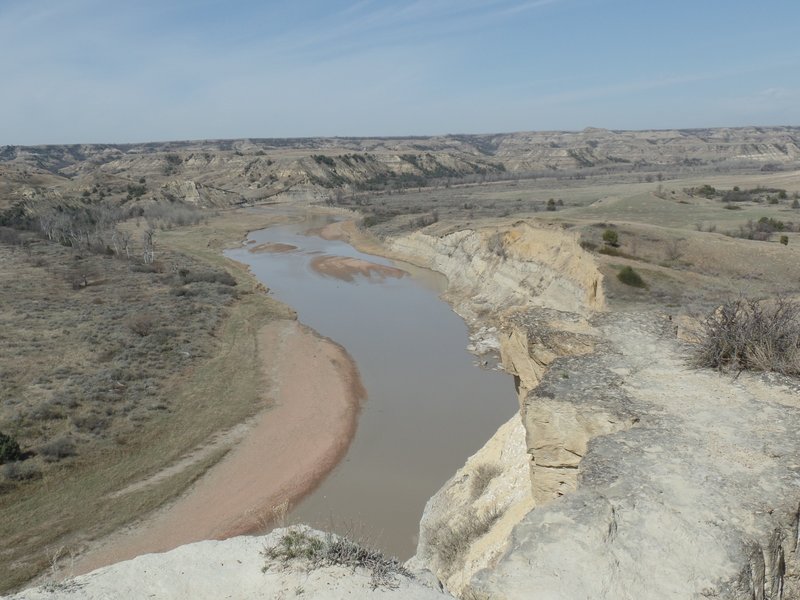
[[451, 541], [746, 334], [482, 477], [204, 377], [333, 550]]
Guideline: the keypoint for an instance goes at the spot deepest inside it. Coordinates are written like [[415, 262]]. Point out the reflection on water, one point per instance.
[[428, 408]]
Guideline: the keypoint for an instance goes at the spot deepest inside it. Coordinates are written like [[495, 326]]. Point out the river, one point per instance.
[[429, 405]]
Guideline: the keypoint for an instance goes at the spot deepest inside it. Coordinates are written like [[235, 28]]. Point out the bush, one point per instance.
[[222, 277], [785, 240], [9, 449], [706, 191], [611, 237], [20, 471], [746, 334], [630, 277], [142, 324], [57, 449]]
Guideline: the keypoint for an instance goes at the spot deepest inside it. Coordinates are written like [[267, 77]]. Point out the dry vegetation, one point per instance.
[[451, 541], [482, 477], [334, 550], [120, 354], [747, 334], [107, 381]]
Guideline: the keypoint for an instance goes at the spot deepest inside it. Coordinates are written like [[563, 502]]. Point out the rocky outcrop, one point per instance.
[[492, 270], [686, 483], [492, 489], [238, 568], [646, 479], [537, 284]]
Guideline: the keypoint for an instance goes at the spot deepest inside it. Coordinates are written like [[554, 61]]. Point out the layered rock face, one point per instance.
[[492, 270], [653, 481], [645, 479]]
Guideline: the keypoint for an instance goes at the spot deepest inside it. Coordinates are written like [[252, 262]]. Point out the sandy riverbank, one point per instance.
[[315, 395]]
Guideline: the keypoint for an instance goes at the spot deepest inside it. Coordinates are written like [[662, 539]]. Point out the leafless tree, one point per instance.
[[674, 249], [149, 246]]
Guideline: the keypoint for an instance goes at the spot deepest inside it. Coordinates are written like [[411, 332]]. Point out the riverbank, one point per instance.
[[315, 396]]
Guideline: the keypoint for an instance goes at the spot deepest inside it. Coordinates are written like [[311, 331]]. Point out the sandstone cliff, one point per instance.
[[646, 479]]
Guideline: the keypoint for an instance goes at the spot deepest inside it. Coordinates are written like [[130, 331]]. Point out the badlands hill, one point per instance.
[[224, 173], [628, 471]]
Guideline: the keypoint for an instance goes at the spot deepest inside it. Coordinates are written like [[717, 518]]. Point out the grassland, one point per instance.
[[124, 404], [691, 250]]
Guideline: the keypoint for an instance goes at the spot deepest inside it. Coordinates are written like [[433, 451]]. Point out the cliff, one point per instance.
[[645, 479]]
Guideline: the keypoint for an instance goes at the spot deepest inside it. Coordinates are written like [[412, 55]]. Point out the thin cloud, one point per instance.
[[526, 6]]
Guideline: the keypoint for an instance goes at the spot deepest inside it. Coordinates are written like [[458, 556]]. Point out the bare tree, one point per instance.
[[116, 240], [149, 246], [674, 249], [125, 240]]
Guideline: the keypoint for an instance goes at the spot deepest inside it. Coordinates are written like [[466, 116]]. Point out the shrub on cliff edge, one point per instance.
[[745, 334]]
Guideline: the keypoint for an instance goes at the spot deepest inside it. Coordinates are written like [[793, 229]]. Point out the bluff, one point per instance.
[[642, 478]]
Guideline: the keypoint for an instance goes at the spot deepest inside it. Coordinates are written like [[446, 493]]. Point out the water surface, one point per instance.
[[429, 406]]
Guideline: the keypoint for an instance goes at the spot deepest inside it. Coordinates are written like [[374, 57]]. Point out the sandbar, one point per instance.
[[316, 395], [346, 268]]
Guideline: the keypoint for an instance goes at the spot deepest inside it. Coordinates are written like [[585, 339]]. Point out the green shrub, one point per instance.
[[785, 240], [706, 191], [9, 449], [611, 237], [630, 277]]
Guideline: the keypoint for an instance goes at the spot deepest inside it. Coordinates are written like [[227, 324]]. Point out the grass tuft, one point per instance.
[[333, 550], [451, 541], [482, 477]]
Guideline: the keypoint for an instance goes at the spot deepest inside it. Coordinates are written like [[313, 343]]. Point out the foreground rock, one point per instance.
[[673, 483], [238, 569], [647, 479]]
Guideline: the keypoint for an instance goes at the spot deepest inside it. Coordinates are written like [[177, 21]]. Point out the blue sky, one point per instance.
[[77, 71]]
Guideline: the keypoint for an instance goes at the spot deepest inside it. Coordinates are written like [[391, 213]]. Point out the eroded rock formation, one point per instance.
[[647, 479]]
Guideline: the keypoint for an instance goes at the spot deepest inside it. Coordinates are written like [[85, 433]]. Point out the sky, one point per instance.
[[113, 71]]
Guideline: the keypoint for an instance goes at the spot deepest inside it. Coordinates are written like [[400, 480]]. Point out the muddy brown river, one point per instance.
[[429, 405]]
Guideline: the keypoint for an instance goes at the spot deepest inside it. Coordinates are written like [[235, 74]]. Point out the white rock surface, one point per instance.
[[231, 569]]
